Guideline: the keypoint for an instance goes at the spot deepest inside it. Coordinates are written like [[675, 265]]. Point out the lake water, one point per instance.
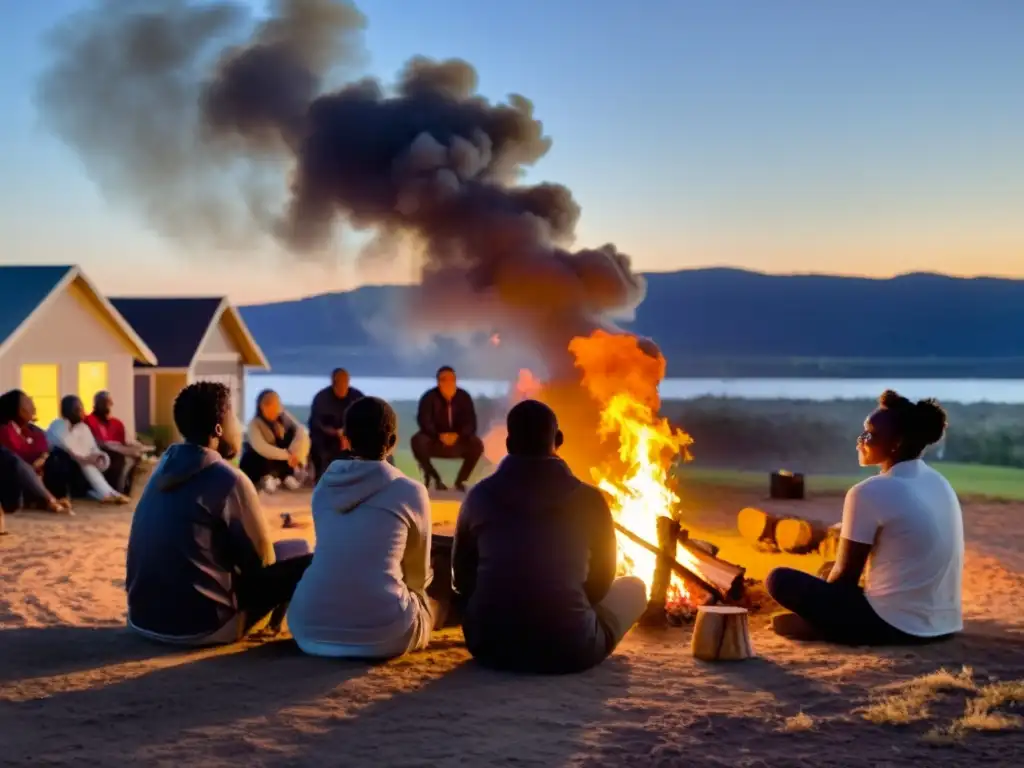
[[299, 390]]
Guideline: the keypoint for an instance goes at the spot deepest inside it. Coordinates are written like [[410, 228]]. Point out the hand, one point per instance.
[[38, 463], [449, 438], [293, 460]]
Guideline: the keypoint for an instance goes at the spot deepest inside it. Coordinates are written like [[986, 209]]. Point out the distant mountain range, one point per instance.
[[708, 322]]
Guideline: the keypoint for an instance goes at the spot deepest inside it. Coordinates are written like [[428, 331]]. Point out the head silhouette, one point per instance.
[[371, 428], [532, 430], [204, 416], [899, 430]]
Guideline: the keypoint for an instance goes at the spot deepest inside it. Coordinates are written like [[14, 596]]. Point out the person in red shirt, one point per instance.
[[23, 456], [110, 435]]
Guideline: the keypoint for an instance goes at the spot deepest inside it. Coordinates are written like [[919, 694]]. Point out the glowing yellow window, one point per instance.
[[42, 384], [92, 378]]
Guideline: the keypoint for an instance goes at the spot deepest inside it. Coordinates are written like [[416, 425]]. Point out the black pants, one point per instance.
[[19, 483], [837, 613], [121, 472], [256, 466], [447, 610], [425, 448], [269, 590], [63, 476]]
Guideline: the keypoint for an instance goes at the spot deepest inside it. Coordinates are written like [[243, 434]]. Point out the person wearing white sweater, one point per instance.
[[276, 447], [365, 593]]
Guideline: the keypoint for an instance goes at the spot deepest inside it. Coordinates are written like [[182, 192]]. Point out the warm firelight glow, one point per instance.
[[495, 340], [624, 380]]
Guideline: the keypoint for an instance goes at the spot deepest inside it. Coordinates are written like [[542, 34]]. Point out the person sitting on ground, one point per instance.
[[447, 430], [327, 420], [76, 464], [276, 447], [202, 568], [365, 595], [906, 525], [18, 431], [124, 454], [21, 487], [534, 560]]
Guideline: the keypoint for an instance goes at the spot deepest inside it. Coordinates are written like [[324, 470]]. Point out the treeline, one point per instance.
[[808, 436]]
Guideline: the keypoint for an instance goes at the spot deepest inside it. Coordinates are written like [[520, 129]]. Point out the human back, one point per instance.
[[915, 567]]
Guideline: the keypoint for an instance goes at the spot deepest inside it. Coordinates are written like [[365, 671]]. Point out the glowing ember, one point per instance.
[[624, 380]]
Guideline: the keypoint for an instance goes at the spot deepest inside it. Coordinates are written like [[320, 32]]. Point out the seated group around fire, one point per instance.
[[78, 456], [905, 525]]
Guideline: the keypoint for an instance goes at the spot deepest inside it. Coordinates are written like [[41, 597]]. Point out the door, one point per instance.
[[41, 382]]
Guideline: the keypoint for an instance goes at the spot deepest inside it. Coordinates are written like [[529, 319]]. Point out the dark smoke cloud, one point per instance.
[[214, 125]]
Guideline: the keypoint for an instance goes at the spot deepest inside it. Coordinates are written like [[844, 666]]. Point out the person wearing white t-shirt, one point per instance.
[[905, 526]]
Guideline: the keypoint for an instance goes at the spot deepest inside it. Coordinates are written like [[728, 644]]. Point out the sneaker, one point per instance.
[[270, 484], [292, 483], [460, 487]]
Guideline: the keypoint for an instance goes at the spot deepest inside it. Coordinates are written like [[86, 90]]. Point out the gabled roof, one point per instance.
[[26, 289], [178, 327]]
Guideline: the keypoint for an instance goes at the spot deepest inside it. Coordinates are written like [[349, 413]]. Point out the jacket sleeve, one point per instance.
[[425, 417], [597, 517], [300, 443], [258, 442], [468, 426], [319, 423], [464, 553], [248, 534]]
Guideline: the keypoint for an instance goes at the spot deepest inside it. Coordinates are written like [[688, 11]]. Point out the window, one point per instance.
[[92, 378], [42, 384]]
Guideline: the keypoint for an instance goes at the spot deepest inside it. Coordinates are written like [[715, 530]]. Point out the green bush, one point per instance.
[[159, 436]]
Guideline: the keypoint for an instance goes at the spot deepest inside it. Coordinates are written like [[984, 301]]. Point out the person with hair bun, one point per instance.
[[905, 525]]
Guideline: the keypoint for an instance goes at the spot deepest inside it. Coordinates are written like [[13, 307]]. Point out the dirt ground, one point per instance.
[[76, 688]]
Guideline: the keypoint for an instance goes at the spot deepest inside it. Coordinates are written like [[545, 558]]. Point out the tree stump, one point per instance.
[[756, 525], [721, 633]]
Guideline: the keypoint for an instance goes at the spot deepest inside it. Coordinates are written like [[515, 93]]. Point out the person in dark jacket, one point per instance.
[[534, 560], [447, 430], [202, 568], [327, 420]]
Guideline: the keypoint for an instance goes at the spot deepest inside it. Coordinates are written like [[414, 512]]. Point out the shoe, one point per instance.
[[460, 487], [439, 484], [270, 484], [292, 483]]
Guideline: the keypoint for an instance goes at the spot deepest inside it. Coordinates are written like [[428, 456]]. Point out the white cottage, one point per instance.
[[195, 339], [60, 336]]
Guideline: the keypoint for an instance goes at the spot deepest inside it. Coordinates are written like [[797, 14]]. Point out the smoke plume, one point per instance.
[[218, 127]]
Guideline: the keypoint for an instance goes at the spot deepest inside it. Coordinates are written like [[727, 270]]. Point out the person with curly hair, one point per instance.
[[202, 568], [905, 526]]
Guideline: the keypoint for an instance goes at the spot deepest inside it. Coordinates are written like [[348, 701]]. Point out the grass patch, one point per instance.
[[1005, 483], [909, 701]]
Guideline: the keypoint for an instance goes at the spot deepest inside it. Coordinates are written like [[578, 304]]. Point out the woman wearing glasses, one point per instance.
[[905, 525]]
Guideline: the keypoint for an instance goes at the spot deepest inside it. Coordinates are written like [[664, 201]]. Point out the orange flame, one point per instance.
[[624, 380]]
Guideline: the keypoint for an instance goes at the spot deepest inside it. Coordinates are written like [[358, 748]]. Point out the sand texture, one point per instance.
[[76, 688]]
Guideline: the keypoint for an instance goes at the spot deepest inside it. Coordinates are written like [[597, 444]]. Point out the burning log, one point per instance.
[[721, 633], [725, 576], [719, 579], [668, 533]]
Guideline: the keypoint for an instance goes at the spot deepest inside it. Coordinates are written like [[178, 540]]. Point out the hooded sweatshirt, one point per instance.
[[197, 527], [534, 551], [366, 587]]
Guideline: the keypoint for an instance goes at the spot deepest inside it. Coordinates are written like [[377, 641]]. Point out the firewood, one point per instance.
[[721, 633], [685, 573], [726, 576], [756, 525], [668, 531], [829, 546], [798, 536]]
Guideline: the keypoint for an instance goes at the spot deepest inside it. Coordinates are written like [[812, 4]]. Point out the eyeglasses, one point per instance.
[[864, 437]]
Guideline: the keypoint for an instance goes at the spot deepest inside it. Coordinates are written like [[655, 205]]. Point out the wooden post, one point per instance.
[[668, 532], [721, 633]]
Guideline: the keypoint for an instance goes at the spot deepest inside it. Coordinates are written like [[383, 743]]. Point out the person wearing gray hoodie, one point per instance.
[[365, 594], [201, 567]]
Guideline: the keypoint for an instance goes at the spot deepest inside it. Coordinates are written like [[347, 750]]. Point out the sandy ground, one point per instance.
[[76, 688]]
